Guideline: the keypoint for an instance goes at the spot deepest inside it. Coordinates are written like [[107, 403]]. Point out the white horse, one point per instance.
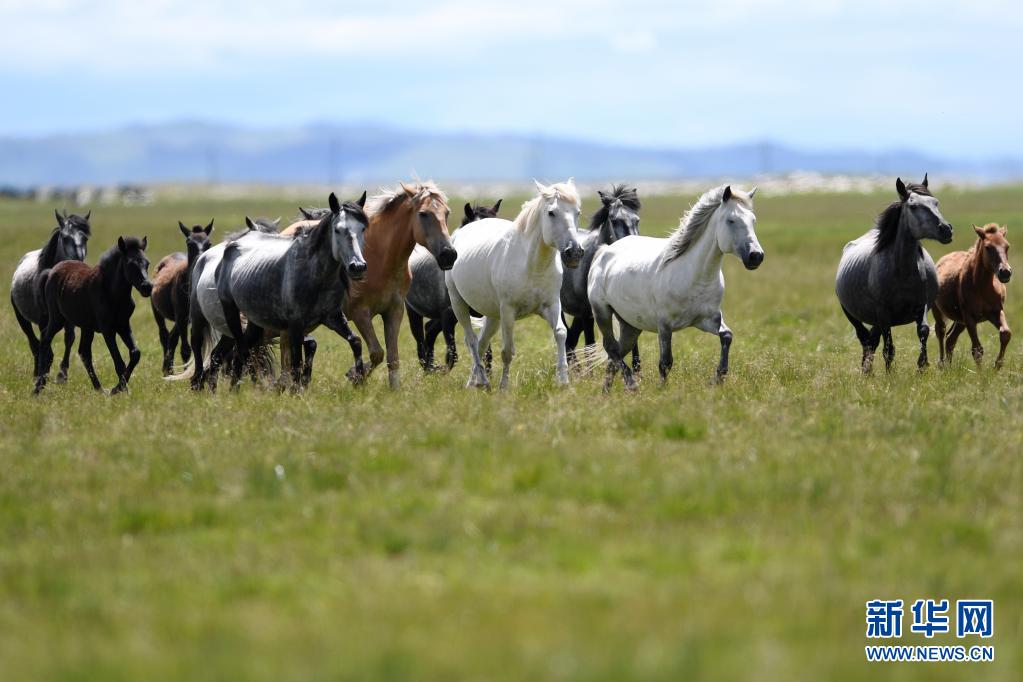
[[664, 285], [508, 269]]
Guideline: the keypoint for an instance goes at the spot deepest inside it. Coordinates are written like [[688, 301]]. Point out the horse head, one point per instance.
[[559, 215], [994, 250], [134, 263], [347, 225], [477, 212], [921, 212], [734, 223], [75, 231], [618, 216], [430, 209], [197, 239]]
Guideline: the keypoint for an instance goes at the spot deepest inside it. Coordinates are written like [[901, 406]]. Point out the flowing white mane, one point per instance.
[[695, 220], [390, 197], [529, 217]]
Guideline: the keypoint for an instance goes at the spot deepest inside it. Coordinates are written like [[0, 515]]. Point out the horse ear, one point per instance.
[[121, 245], [468, 211], [277, 222], [727, 194], [60, 220], [570, 181], [411, 191], [362, 200], [88, 215], [1003, 229], [305, 213], [209, 228], [979, 231], [184, 230], [604, 199], [900, 187], [924, 183], [497, 206], [539, 186], [752, 192], [249, 224], [335, 205], [145, 242]]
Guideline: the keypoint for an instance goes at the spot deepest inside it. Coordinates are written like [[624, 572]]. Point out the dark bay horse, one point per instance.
[[971, 290], [398, 220], [428, 297], [886, 278], [95, 299], [617, 218], [68, 241], [171, 292]]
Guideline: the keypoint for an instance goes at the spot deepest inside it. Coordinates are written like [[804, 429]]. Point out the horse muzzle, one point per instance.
[[572, 255], [753, 260], [446, 258], [357, 270], [145, 288], [1004, 275], [945, 235]]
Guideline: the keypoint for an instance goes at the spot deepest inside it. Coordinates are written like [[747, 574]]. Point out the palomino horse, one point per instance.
[[289, 283], [428, 297], [886, 278], [510, 269], [68, 241], [617, 218], [96, 299], [664, 285], [971, 289], [398, 220], [171, 292]]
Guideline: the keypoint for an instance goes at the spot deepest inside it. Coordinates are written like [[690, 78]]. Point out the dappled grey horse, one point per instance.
[[428, 297], [617, 218], [886, 278], [68, 241]]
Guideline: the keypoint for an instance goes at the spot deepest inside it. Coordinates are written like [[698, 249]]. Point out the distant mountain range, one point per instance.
[[322, 153]]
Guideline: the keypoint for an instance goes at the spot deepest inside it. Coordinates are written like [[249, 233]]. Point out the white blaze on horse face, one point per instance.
[[347, 240], [925, 219]]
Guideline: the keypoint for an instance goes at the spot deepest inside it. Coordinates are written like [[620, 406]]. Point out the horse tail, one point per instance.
[[210, 338], [591, 358]]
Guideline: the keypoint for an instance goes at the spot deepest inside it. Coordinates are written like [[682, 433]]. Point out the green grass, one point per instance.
[[690, 531]]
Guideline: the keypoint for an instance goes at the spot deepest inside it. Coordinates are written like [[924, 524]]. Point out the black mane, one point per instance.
[[888, 222], [49, 252], [111, 258], [628, 197]]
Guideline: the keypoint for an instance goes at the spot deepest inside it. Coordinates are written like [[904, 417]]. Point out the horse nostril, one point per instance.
[[755, 258], [357, 269], [446, 258]]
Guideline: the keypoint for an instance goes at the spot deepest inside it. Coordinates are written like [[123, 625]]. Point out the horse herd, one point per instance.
[[392, 255]]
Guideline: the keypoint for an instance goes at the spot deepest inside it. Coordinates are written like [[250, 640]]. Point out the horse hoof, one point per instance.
[[61, 378]]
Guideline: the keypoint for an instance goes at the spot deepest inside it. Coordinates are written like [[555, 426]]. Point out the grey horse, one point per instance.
[[286, 283], [886, 278], [428, 297], [68, 241], [617, 218]]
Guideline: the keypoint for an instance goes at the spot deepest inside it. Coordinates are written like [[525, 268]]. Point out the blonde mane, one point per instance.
[[529, 217], [695, 221], [390, 198]]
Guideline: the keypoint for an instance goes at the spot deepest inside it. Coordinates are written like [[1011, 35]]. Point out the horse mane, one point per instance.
[[528, 218], [264, 225], [695, 220], [628, 197], [888, 221], [390, 198]]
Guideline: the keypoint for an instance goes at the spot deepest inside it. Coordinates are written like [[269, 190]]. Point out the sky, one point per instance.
[[938, 77]]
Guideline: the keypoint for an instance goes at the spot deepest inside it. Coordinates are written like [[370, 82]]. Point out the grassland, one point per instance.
[[687, 532]]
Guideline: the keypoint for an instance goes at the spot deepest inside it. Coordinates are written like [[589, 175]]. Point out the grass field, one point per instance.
[[692, 531]]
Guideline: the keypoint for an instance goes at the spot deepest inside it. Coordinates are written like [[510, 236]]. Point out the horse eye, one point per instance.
[[550, 213]]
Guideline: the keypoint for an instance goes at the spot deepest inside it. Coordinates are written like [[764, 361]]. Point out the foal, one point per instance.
[[96, 299], [171, 292], [971, 289]]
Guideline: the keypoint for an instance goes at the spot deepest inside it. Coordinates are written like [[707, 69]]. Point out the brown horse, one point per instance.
[[171, 292], [95, 299], [398, 220], [971, 289]]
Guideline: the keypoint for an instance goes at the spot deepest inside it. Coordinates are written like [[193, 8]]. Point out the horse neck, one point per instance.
[[389, 241], [112, 279], [320, 251], [976, 266], [906, 249], [704, 258], [539, 255]]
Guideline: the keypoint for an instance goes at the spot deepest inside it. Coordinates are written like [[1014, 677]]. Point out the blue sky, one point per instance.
[[940, 77]]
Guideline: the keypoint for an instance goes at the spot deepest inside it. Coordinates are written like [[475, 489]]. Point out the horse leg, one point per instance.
[[415, 324], [223, 349], [44, 359], [26, 327], [241, 348], [85, 353], [490, 327], [477, 375], [572, 338], [922, 332], [309, 352], [950, 340], [134, 354], [939, 333], [161, 329], [889, 348], [434, 328], [1004, 336], [507, 343], [363, 320], [65, 362], [392, 327], [115, 354], [867, 340], [626, 342], [978, 350], [552, 313], [338, 324], [716, 325], [181, 327], [448, 322], [664, 334], [296, 331], [602, 314]]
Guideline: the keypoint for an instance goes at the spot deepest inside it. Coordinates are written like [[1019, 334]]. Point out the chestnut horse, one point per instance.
[[971, 289], [95, 299], [171, 292], [398, 220]]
